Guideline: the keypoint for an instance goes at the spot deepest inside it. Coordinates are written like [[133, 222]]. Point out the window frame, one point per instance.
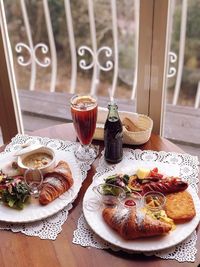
[[10, 118], [152, 68], [153, 60]]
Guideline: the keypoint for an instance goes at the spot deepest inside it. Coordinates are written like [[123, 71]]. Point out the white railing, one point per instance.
[[173, 57], [52, 46], [112, 63], [72, 45], [181, 51], [29, 47]]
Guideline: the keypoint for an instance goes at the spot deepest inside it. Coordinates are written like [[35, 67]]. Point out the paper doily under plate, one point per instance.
[[188, 170], [50, 227]]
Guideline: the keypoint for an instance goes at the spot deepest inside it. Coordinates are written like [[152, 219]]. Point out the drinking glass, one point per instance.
[[154, 201], [108, 195], [84, 115], [33, 179]]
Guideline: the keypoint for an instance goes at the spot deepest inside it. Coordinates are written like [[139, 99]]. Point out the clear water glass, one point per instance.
[[34, 180]]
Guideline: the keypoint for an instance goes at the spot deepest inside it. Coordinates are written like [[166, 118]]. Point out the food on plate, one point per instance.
[[180, 207], [110, 194], [119, 180], [13, 191], [11, 169], [43, 158], [161, 216], [133, 199], [142, 173], [37, 160], [161, 197], [132, 223], [56, 182], [145, 180], [154, 201], [166, 185], [109, 189], [129, 203]]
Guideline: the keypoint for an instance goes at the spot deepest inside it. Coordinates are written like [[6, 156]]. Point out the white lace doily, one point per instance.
[[50, 227], [189, 171]]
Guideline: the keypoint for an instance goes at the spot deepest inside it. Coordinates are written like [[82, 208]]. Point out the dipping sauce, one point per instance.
[[37, 160], [130, 203]]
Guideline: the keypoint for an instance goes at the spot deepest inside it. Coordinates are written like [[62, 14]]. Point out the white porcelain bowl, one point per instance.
[[43, 149]]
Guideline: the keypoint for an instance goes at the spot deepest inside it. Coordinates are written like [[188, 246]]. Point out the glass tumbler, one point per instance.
[[33, 179]]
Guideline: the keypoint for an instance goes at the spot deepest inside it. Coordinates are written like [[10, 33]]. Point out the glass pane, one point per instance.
[[47, 63], [182, 120]]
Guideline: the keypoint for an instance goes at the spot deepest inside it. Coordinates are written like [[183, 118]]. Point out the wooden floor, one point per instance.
[[44, 109]]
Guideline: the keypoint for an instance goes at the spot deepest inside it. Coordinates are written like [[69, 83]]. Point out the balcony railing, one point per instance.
[[89, 57]]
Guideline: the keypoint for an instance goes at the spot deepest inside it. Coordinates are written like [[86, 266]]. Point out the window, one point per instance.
[[182, 116], [148, 65]]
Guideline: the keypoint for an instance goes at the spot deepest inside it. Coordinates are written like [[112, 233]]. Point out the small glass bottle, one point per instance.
[[113, 134]]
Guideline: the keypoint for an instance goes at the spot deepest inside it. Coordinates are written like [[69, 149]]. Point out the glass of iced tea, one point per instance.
[[84, 115]]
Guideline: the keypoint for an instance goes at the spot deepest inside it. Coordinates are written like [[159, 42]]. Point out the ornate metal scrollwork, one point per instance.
[[44, 49], [32, 54], [21, 60], [82, 63], [172, 59], [95, 58], [108, 53]]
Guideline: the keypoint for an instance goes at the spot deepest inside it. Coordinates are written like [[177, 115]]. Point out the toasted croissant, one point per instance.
[[131, 224], [56, 182]]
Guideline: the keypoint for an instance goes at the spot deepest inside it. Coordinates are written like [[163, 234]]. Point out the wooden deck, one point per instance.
[[44, 109]]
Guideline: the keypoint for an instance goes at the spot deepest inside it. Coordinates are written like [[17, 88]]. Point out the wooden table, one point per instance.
[[19, 250]]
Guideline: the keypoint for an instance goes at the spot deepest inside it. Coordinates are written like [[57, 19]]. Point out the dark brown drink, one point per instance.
[[84, 115], [113, 133]]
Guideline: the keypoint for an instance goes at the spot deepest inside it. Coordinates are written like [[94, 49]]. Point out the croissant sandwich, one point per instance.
[[56, 182], [132, 224]]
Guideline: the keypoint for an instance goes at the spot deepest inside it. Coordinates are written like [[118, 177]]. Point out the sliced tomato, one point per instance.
[[155, 174], [155, 169]]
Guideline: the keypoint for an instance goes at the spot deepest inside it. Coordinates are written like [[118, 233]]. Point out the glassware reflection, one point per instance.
[[34, 179]]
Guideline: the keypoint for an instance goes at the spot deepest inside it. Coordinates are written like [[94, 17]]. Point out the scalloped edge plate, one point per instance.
[[97, 224], [34, 211]]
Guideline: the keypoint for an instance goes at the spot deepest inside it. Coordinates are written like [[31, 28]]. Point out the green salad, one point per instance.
[[118, 180], [134, 182], [13, 191]]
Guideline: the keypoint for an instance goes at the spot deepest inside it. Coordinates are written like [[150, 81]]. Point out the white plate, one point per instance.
[[34, 211], [96, 222]]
